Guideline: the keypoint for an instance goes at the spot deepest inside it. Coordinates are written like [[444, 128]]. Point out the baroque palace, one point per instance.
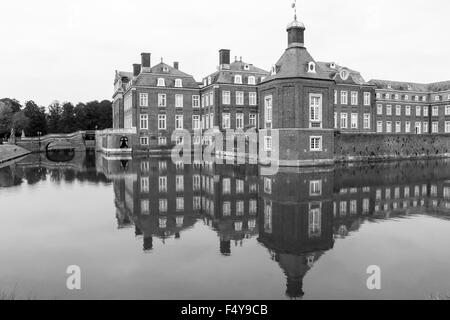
[[322, 112]]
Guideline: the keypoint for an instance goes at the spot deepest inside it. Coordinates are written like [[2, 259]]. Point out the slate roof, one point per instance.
[[236, 67], [355, 77], [157, 71], [415, 87], [294, 64]]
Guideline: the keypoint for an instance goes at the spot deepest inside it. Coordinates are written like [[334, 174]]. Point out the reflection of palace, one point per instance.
[[297, 214]]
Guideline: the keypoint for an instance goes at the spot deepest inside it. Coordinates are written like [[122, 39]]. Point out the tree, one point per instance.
[[37, 116], [68, 120], [20, 121], [6, 115], [80, 116], [12, 103], [54, 117]]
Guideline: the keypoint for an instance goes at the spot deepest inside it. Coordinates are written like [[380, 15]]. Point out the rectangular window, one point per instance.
[[389, 110], [144, 141], [418, 111], [211, 98], [162, 184], [335, 97], [407, 127], [425, 111], [315, 143], [226, 121], [195, 101], [268, 112], [178, 121], [435, 127], [267, 143], [195, 122], [435, 111], [179, 204], [144, 122], [408, 111], [418, 128], [344, 97], [252, 119], [398, 110], [145, 207], [226, 97], [315, 188], [447, 126], [143, 99], [252, 98], [239, 121], [162, 125], [163, 205], [315, 111], [179, 183], [367, 98], [344, 121], [379, 126], [379, 109], [354, 121], [447, 110], [239, 98], [178, 101], [388, 126], [145, 186], [335, 120], [354, 98], [162, 141], [367, 121], [425, 127], [238, 79], [162, 100], [398, 127]]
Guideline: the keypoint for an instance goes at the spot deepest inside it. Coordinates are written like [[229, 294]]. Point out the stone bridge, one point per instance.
[[77, 141]]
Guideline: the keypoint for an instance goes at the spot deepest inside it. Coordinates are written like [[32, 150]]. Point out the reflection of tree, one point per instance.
[[8, 179], [35, 174]]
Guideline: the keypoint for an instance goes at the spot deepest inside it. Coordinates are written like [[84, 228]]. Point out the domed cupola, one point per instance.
[[296, 31]]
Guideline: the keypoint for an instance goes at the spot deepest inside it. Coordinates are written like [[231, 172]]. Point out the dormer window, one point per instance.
[[437, 98], [238, 79], [311, 67], [246, 67], [416, 98], [409, 87], [252, 80], [178, 83], [333, 65], [424, 98], [165, 69], [344, 74], [205, 82], [274, 70], [209, 81], [161, 82], [389, 86]]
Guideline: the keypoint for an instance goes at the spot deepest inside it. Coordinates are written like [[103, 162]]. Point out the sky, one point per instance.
[[69, 50]]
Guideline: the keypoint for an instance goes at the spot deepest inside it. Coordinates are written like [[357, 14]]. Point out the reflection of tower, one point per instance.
[[225, 247], [296, 221], [148, 243]]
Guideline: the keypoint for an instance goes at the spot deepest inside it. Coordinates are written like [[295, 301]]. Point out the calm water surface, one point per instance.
[[145, 228]]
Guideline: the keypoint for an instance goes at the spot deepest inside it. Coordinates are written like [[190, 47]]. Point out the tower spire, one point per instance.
[[294, 6]]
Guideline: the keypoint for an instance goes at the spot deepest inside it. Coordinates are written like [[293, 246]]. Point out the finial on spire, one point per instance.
[[294, 6]]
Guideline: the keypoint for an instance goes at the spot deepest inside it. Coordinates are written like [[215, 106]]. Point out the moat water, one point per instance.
[[145, 228]]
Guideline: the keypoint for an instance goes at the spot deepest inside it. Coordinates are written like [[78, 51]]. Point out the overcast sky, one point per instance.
[[68, 50]]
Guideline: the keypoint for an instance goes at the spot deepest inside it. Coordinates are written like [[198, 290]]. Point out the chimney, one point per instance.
[[145, 61], [176, 65], [136, 69], [224, 59]]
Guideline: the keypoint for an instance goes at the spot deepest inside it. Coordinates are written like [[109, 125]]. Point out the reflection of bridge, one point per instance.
[[45, 160], [77, 141]]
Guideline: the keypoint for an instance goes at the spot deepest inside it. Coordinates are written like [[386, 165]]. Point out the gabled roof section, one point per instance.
[[294, 64], [167, 72], [334, 70], [237, 67], [399, 85], [439, 86]]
